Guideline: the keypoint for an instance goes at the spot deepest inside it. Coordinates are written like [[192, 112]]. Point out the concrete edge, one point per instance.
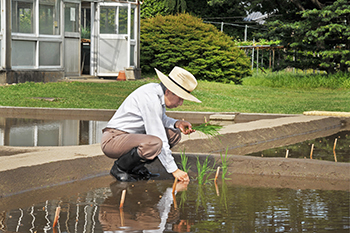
[[106, 114], [31, 178]]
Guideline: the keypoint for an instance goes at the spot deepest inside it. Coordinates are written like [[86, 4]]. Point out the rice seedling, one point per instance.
[[203, 170], [224, 164], [208, 129], [184, 162]]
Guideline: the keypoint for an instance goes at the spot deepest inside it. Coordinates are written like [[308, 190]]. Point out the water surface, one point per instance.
[[150, 206]]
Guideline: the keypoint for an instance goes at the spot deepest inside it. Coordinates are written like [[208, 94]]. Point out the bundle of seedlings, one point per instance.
[[208, 129]]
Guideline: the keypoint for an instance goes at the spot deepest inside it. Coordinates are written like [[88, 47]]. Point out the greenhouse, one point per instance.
[[48, 40]]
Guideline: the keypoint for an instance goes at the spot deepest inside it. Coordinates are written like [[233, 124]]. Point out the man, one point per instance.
[[140, 130]]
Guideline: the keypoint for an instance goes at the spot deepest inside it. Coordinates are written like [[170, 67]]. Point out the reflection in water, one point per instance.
[[322, 149], [33, 132], [149, 207]]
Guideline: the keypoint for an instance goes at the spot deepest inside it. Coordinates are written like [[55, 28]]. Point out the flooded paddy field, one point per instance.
[[47, 163], [150, 206], [336, 146]]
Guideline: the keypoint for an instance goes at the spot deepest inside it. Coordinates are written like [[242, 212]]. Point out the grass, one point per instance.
[[216, 97], [297, 80]]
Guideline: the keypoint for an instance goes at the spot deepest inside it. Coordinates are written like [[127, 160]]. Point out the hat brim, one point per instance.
[[175, 88]]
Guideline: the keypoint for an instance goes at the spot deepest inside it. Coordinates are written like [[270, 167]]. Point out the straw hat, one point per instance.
[[180, 82]]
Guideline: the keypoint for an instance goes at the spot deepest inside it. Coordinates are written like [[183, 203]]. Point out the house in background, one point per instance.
[[41, 40]]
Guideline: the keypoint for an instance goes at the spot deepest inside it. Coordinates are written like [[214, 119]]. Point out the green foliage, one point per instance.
[[85, 33], [261, 41], [316, 38], [203, 170], [151, 8], [25, 22], [184, 40], [300, 80], [184, 162], [208, 129], [224, 164]]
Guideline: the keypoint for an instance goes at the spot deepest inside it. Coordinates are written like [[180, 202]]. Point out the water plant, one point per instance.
[[184, 162], [224, 164], [208, 129], [203, 170]]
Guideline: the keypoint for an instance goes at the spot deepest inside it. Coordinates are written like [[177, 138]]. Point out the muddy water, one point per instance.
[[37, 132], [150, 206], [322, 149]]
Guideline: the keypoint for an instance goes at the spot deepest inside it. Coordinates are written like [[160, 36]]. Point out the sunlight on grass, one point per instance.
[[215, 97]]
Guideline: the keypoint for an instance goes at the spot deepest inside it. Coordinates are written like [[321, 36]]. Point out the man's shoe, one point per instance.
[[120, 174]]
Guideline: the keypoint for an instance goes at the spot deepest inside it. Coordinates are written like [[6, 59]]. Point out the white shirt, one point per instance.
[[143, 112]]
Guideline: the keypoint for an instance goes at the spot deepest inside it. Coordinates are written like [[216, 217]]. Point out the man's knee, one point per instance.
[[151, 148]]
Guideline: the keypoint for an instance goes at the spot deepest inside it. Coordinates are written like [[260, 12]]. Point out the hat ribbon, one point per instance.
[[179, 85]]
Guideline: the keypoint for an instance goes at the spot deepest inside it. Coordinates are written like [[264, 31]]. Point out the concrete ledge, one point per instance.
[[22, 76], [79, 167], [106, 114], [249, 137], [56, 113]]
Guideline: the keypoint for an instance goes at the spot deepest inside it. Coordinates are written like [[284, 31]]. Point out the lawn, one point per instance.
[[215, 97]]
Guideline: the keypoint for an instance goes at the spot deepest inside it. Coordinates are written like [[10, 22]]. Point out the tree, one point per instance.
[[184, 40], [230, 12], [316, 38]]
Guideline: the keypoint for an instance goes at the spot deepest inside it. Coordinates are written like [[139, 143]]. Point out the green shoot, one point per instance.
[[224, 164], [208, 129], [184, 162], [203, 170]]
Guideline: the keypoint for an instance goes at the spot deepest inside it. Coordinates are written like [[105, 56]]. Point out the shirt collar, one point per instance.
[[160, 93]]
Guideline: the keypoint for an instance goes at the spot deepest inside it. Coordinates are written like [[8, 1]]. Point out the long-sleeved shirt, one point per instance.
[[143, 112]]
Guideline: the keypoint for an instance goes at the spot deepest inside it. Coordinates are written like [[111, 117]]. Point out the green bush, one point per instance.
[[184, 40]]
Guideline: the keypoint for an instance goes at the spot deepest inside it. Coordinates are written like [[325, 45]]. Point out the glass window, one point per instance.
[[49, 53], [23, 53], [49, 17], [123, 20], [132, 57], [107, 20], [85, 23], [71, 17], [22, 16], [132, 27]]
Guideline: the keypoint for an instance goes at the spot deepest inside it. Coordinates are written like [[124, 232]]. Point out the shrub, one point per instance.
[[184, 40]]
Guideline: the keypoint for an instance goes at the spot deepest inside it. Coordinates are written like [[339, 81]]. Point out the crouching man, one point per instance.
[[140, 131]]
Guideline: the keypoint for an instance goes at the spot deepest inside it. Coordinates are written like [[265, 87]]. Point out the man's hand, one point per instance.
[[181, 175], [181, 186], [184, 126]]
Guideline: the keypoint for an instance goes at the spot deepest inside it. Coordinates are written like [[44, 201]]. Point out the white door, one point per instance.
[[116, 33]]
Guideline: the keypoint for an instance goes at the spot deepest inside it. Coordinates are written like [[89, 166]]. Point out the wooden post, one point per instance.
[[312, 150], [335, 144], [122, 199], [57, 214], [217, 174]]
